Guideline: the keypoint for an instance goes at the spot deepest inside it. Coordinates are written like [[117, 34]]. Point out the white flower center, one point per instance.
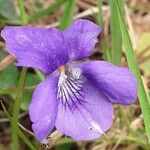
[[70, 87]]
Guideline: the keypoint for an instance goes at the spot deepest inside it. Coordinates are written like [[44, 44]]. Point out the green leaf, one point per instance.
[[40, 74], [47, 11], [31, 79], [65, 140], [2, 54], [66, 146], [67, 17], [7, 9], [8, 77], [27, 96], [142, 94]]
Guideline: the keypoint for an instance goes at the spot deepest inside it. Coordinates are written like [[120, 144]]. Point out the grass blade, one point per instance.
[[115, 32], [67, 17], [27, 142], [143, 97]]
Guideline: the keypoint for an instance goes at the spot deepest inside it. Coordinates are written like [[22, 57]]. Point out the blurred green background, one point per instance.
[[128, 132]]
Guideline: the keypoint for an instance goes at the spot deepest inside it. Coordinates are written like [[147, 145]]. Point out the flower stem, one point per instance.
[[16, 109], [53, 138]]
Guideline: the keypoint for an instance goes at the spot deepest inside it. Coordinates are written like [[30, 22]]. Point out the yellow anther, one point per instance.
[[62, 69]]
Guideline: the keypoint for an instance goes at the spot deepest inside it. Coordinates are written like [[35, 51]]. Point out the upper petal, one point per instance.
[[81, 37], [83, 112], [36, 47], [43, 107], [117, 83]]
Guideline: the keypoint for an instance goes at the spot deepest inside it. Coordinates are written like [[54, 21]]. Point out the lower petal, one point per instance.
[[88, 119], [43, 107]]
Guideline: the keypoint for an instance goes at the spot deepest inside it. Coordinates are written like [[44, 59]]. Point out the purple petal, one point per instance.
[[118, 83], [36, 47], [43, 107], [81, 38], [87, 118]]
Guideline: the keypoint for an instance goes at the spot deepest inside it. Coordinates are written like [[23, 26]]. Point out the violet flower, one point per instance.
[[76, 98]]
